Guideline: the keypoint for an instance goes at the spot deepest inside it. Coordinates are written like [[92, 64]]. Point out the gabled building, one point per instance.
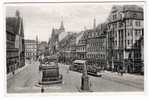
[[67, 48], [15, 48], [81, 46], [54, 39]]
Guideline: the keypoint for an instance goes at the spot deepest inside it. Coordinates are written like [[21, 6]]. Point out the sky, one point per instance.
[[39, 19]]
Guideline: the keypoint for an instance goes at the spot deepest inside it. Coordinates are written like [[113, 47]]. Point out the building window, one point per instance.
[[134, 15], [137, 32], [128, 32], [114, 16], [128, 22], [115, 43], [138, 23], [128, 42], [120, 24]]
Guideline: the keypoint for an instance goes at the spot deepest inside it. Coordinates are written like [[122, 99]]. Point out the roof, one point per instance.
[[54, 57], [130, 11], [11, 23], [29, 41], [78, 38], [63, 35], [80, 61], [132, 8]]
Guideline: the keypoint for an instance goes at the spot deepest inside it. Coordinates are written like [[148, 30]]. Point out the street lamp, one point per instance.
[[124, 21]]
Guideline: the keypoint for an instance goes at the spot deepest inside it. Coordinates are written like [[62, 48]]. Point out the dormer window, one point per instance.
[[134, 15]]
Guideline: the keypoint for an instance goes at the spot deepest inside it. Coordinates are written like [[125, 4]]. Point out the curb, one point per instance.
[[10, 75]]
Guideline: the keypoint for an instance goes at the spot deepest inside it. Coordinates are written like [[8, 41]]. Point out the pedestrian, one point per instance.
[[68, 70], [118, 70], [13, 70], [90, 84], [42, 89], [121, 71]]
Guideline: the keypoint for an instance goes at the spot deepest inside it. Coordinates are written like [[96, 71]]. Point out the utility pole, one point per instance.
[[37, 48], [19, 35], [124, 21]]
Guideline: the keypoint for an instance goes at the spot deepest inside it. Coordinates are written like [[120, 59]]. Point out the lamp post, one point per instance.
[[124, 21], [85, 83]]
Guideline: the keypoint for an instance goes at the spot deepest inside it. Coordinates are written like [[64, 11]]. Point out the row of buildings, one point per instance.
[[15, 48], [34, 48], [116, 43], [19, 49]]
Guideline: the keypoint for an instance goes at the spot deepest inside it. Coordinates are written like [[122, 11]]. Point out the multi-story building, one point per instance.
[[96, 46], [67, 48], [124, 28], [138, 56], [43, 45], [72, 46], [14, 43], [81, 46], [31, 49]]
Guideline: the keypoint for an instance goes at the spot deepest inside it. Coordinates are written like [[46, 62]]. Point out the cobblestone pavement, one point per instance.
[[26, 81]]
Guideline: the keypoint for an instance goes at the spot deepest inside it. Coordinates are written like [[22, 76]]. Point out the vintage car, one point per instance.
[[50, 71]]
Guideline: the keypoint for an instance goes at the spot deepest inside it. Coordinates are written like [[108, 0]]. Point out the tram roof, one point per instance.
[[79, 61]]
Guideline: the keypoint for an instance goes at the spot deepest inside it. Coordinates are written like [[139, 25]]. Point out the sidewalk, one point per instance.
[[10, 75], [127, 79], [125, 76]]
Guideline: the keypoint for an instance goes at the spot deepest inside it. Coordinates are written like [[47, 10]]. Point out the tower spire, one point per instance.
[[94, 23], [37, 48], [17, 13], [62, 25]]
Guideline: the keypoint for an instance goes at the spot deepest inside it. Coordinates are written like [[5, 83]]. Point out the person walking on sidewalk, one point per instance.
[[13, 68], [118, 70], [68, 70], [121, 71], [42, 89]]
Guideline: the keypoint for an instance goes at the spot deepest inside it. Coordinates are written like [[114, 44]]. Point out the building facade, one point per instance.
[[96, 50], [31, 49], [15, 49], [81, 46], [43, 45], [67, 48], [96, 46], [124, 28]]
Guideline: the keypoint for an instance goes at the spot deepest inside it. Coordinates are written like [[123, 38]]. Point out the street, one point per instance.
[[26, 81]]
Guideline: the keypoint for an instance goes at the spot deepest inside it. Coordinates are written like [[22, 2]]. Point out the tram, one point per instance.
[[78, 67]]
